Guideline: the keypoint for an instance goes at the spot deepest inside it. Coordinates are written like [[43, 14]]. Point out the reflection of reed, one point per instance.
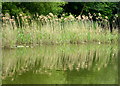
[[57, 58]]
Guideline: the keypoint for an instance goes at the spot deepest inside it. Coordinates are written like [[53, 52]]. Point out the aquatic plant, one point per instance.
[[39, 29]]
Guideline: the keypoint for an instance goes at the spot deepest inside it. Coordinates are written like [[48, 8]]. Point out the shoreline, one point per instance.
[[58, 44]]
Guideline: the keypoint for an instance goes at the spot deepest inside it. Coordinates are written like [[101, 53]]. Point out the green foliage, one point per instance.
[[32, 7], [76, 8], [105, 8], [11, 8]]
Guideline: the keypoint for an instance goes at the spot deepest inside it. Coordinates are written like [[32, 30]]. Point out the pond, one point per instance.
[[61, 64]]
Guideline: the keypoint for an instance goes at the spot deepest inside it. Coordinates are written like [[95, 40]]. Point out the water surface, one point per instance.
[[61, 64]]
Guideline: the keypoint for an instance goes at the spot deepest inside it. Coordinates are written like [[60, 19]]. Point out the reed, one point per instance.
[[25, 30]]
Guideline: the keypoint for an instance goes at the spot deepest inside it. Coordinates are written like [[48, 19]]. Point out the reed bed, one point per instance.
[[39, 29], [59, 58]]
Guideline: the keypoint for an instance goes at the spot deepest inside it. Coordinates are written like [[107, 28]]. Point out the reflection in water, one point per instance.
[[71, 64]]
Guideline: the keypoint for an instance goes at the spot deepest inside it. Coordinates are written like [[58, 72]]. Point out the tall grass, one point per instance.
[[53, 30]]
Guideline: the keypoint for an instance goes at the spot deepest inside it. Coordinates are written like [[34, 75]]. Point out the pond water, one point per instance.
[[61, 64]]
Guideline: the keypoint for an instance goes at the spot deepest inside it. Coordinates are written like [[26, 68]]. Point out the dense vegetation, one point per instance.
[[31, 8], [59, 23], [84, 39], [105, 8]]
